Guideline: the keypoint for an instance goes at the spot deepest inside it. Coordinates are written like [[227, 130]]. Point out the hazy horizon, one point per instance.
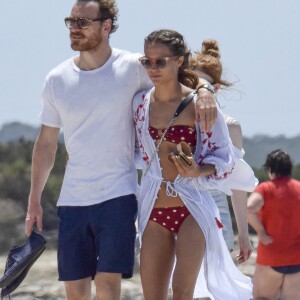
[[245, 136]]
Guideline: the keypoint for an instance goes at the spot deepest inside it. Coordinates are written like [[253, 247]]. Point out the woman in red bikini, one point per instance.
[[178, 221]]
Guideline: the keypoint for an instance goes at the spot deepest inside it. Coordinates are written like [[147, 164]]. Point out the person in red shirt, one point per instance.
[[273, 211]]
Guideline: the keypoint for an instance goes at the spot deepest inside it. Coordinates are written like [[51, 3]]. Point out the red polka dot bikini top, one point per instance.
[[176, 134]]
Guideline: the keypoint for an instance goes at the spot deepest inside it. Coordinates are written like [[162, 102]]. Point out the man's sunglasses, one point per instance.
[[81, 23], [159, 63]]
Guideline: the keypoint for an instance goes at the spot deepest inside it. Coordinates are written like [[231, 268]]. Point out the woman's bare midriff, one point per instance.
[[169, 173]]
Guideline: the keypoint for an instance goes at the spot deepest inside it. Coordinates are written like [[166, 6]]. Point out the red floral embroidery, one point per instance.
[[200, 160], [139, 118], [209, 134], [212, 146], [209, 146]]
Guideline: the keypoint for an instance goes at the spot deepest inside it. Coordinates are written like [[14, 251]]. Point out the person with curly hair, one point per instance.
[[207, 64]]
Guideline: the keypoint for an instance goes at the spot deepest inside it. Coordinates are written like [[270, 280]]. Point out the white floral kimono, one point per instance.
[[219, 278]]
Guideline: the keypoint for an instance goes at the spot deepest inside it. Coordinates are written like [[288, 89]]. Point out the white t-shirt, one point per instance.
[[94, 110]]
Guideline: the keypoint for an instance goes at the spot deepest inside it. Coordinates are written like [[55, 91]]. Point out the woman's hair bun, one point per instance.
[[211, 47]]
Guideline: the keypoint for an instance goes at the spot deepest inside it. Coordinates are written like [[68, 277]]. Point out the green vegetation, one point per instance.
[[15, 170]]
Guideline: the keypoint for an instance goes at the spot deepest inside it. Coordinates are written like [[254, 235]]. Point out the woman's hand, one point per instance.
[[184, 169], [265, 239], [245, 249]]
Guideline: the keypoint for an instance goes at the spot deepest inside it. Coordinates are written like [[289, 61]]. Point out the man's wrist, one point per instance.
[[206, 86]]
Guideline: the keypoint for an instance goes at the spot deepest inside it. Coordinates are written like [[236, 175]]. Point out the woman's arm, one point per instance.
[[255, 203], [194, 170], [217, 149], [239, 204], [239, 198]]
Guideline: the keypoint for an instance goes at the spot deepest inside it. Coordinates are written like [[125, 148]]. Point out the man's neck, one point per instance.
[[93, 59]]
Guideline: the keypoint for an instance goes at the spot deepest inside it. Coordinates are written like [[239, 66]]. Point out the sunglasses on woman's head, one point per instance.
[[158, 63]]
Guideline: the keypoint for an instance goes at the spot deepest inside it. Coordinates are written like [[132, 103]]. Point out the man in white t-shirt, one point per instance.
[[89, 96]]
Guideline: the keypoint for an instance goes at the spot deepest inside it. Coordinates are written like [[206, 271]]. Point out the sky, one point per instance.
[[259, 42]]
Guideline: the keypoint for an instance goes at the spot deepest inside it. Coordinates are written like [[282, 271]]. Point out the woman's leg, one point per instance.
[[190, 247], [290, 287], [157, 259], [266, 282]]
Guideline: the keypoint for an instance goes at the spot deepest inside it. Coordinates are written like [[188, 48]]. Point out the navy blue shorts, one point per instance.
[[287, 269], [97, 238]]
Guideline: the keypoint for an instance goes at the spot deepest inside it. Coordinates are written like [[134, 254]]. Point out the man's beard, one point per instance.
[[86, 44]]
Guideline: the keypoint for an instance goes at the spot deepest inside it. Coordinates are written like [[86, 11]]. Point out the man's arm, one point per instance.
[[206, 108], [255, 203], [43, 158]]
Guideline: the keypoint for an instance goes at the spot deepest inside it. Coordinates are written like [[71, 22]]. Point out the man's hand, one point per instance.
[[206, 109], [34, 215]]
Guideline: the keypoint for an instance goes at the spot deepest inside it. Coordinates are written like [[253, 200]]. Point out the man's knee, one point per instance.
[[78, 289], [108, 285]]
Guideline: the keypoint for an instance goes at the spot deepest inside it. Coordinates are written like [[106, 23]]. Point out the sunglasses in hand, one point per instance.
[[184, 151]]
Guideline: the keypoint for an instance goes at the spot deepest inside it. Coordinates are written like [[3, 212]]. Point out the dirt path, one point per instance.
[[41, 281]]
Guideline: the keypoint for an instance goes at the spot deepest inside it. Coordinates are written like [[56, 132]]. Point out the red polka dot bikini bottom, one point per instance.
[[169, 217]]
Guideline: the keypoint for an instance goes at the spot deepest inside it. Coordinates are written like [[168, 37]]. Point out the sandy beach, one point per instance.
[[41, 281]]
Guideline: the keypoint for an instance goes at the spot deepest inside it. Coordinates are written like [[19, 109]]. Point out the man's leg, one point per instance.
[[78, 289], [77, 257], [113, 226], [108, 286]]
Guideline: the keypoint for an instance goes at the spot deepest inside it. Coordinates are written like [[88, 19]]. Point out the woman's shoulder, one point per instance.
[[230, 121], [235, 131]]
